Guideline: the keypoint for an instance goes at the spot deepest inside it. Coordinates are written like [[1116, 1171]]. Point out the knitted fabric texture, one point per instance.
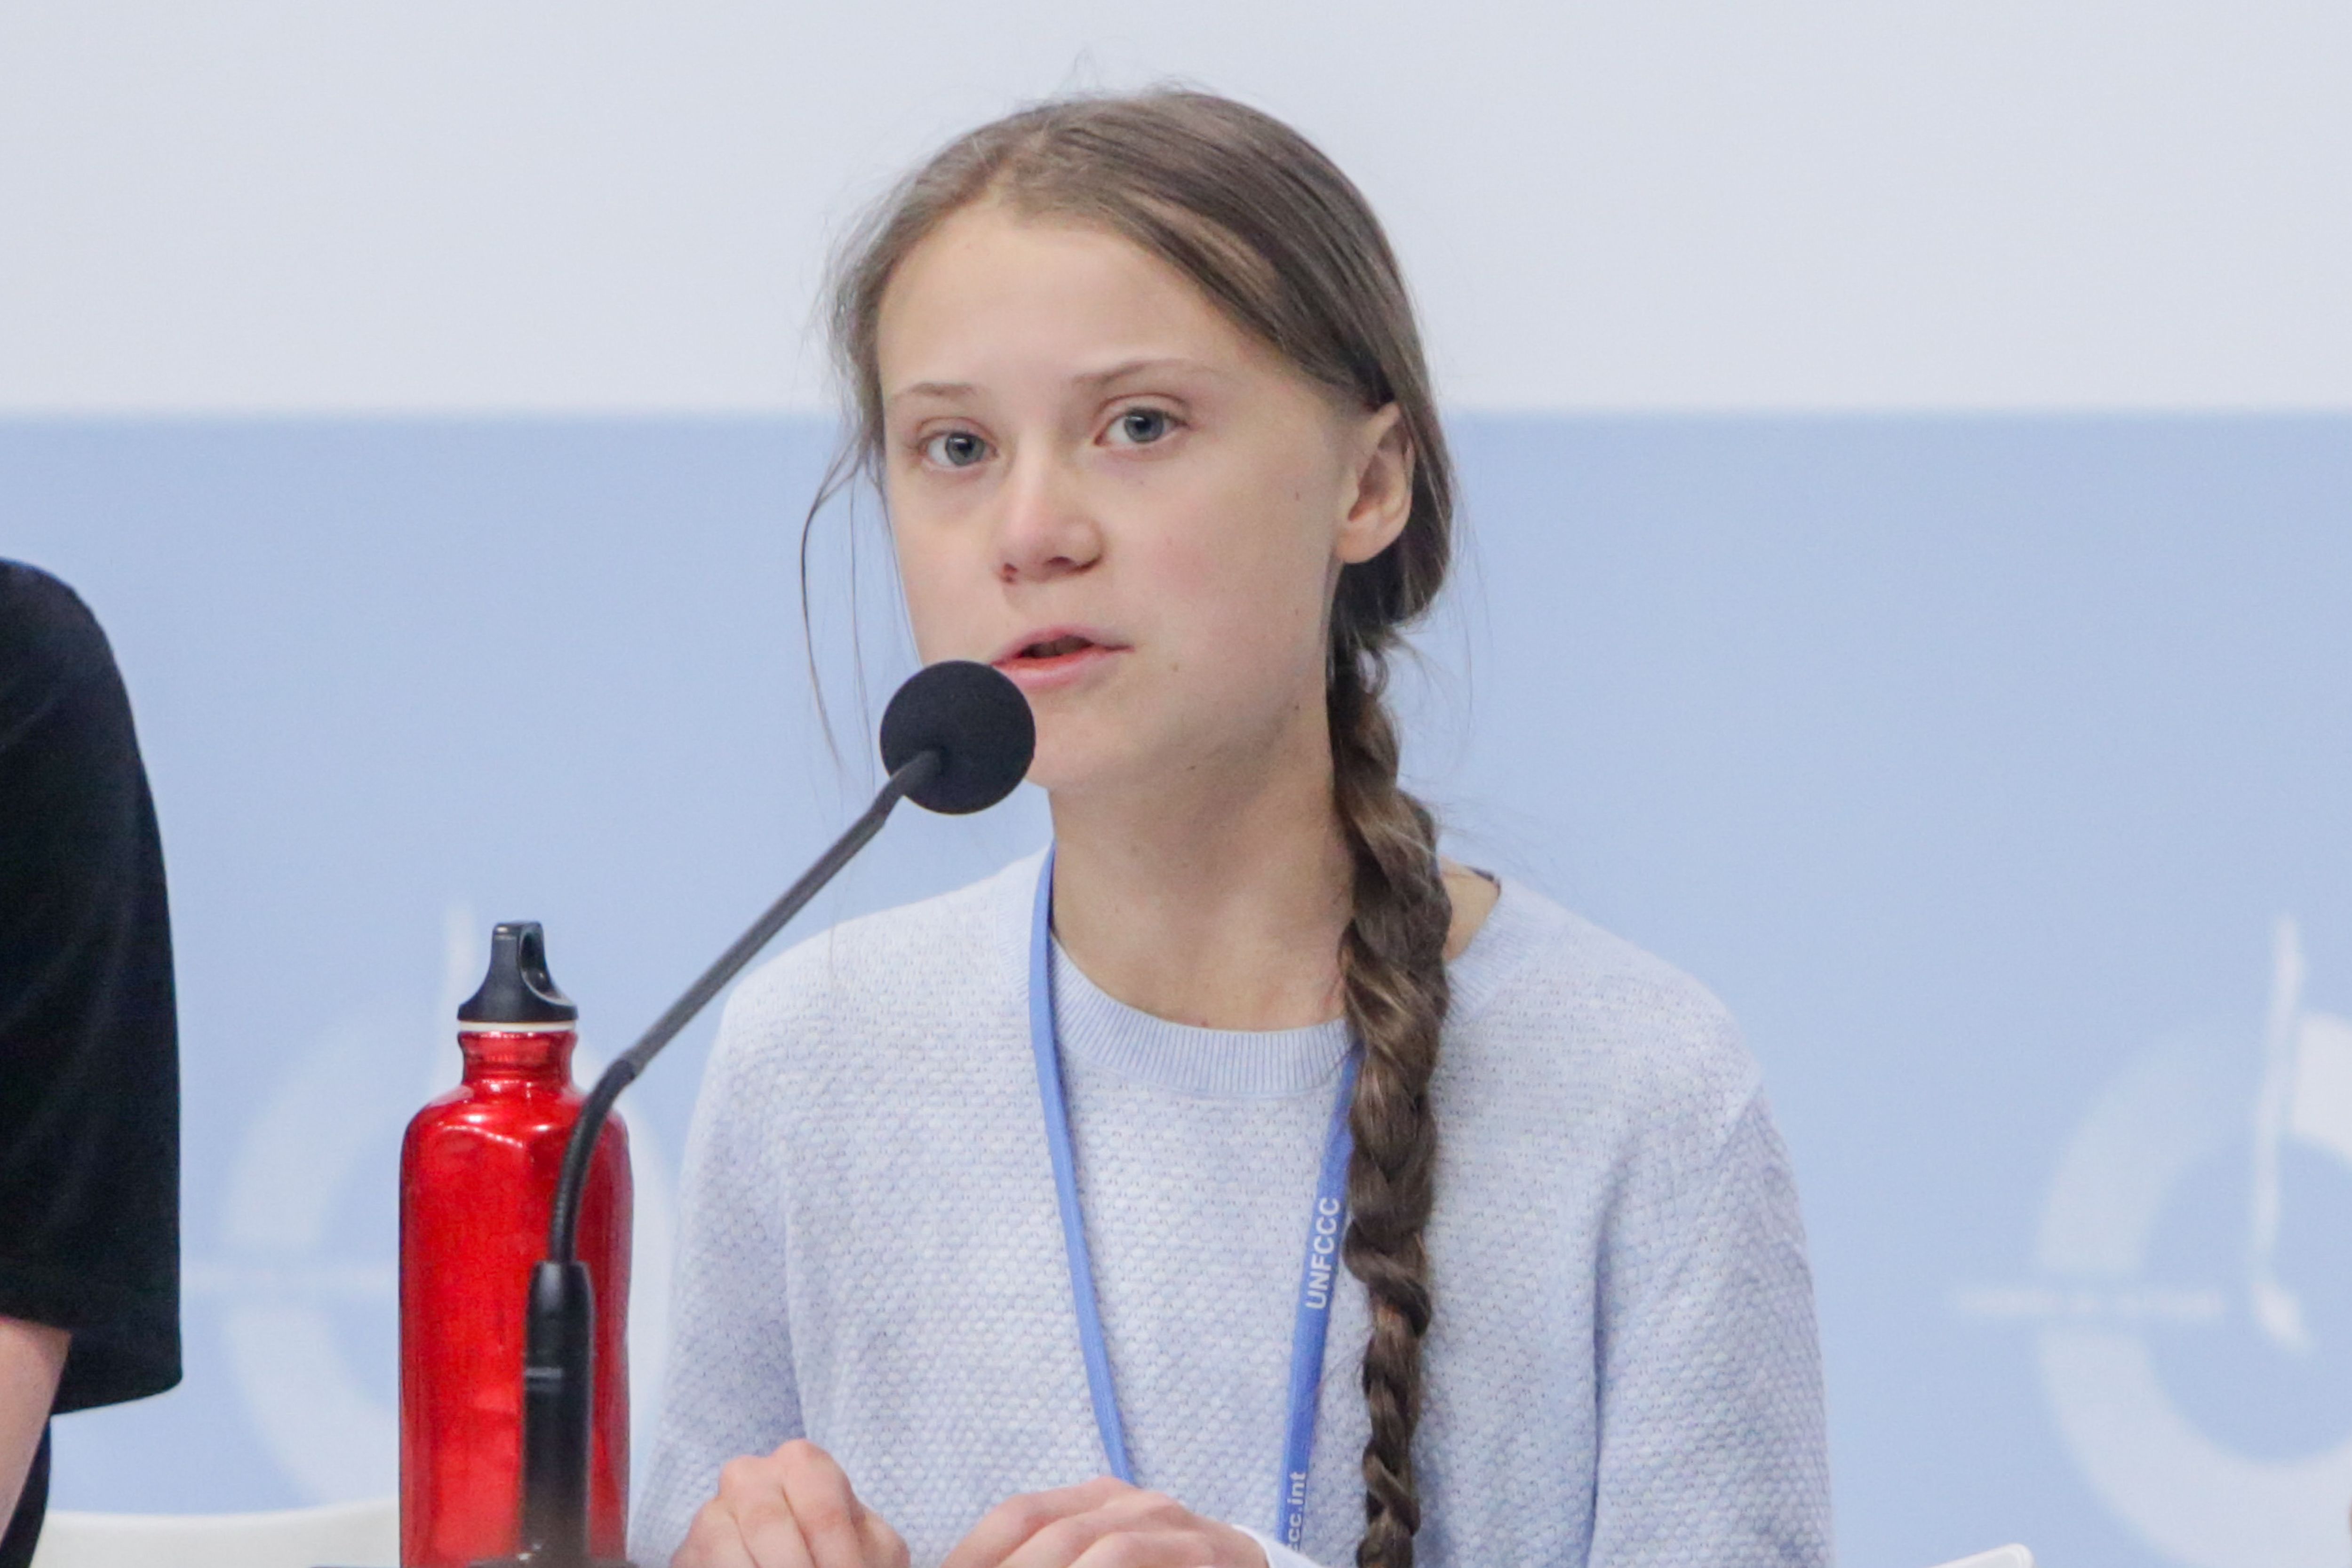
[[1623, 1368]]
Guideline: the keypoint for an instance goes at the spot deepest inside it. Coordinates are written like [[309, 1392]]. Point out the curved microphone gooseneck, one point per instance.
[[957, 737]]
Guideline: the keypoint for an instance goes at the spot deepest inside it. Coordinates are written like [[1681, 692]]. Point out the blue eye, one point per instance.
[[956, 448], [1144, 425]]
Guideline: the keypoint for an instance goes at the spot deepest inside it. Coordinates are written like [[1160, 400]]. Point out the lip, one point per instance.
[[1050, 674]]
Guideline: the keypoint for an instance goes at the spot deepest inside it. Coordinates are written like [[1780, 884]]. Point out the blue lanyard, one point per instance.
[[1315, 1279]]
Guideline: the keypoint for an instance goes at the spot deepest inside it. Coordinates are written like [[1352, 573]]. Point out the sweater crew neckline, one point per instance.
[[1099, 1030]]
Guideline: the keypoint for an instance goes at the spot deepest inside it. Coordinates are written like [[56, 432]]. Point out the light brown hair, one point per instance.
[[1280, 240]]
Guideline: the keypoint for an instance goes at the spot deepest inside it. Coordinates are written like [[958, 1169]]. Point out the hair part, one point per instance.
[[1271, 231]]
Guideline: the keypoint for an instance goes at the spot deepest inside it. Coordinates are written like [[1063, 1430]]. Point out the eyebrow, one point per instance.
[[1095, 378]]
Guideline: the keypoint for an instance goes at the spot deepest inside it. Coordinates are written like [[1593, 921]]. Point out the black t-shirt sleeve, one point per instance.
[[90, 1091]]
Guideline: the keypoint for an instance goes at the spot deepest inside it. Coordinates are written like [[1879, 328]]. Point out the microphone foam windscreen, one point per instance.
[[978, 722]]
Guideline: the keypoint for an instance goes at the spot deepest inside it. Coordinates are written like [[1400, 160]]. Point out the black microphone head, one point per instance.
[[976, 718]]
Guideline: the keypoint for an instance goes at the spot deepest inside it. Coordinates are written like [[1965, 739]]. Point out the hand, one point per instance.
[[1105, 1523], [791, 1508]]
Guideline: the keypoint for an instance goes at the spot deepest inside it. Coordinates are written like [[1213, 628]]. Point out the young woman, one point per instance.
[[1006, 1205]]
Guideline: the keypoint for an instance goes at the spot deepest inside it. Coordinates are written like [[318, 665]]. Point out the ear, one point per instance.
[[1382, 499]]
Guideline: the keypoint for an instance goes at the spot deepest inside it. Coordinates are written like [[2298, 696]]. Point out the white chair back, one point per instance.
[[344, 1534], [1998, 1557]]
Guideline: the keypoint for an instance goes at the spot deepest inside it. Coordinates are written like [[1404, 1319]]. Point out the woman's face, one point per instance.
[[1101, 485]]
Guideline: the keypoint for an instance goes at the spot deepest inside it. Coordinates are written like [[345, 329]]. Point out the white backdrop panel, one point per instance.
[[442, 205]]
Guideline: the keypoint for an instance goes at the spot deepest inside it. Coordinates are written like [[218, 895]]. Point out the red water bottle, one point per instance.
[[477, 1175]]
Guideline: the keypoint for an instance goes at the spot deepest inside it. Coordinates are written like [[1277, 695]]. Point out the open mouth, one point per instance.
[[1057, 647], [1054, 655]]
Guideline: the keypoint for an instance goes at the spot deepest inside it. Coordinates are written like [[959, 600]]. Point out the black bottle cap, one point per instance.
[[518, 988]]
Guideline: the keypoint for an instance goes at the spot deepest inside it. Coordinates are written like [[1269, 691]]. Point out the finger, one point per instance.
[[1068, 1539], [752, 1491], [885, 1548], [1004, 1527], [712, 1542], [772, 1535], [1063, 1542], [822, 1505], [1149, 1549]]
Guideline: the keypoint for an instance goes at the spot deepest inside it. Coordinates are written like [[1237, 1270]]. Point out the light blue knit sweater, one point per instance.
[[1623, 1369]]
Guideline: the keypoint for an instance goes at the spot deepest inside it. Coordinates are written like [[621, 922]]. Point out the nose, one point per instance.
[[1043, 529]]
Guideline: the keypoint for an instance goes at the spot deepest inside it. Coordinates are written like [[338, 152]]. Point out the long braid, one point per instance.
[[1392, 967]]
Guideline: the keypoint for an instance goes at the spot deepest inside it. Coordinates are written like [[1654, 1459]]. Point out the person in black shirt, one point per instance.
[[89, 1090]]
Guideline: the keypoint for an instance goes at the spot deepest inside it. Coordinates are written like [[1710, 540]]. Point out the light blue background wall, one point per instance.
[[1971, 761]]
